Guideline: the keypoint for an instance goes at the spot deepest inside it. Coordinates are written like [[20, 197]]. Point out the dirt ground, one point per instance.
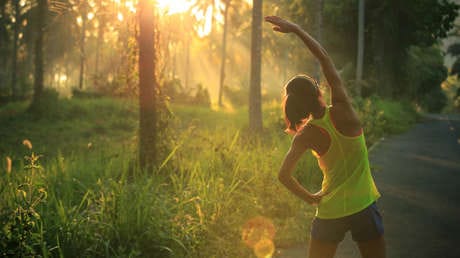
[[418, 175]]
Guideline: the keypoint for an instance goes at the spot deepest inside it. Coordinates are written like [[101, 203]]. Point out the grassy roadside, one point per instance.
[[83, 195]]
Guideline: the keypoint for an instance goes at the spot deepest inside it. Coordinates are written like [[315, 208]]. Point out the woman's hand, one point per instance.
[[281, 25], [316, 198]]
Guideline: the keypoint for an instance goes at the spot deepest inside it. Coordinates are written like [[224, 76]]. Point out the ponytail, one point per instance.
[[300, 100]]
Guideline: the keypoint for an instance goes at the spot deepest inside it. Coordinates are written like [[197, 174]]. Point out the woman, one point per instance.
[[347, 198]]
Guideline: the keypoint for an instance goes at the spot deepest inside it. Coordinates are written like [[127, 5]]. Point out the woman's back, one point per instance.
[[347, 183]]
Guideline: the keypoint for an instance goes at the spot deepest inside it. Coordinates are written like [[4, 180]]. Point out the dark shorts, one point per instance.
[[364, 225]]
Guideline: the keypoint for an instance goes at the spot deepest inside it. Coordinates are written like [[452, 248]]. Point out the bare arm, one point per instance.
[[285, 174], [338, 92]]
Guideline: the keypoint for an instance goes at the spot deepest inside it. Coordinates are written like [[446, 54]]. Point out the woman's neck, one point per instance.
[[319, 112]]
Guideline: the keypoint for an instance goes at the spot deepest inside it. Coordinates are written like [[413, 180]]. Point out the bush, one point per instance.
[[77, 93], [381, 117], [178, 94], [425, 72], [236, 96], [434, 101]]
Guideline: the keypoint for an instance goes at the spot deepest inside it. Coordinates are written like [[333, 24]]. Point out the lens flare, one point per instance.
[[258, 233], [264, 248]]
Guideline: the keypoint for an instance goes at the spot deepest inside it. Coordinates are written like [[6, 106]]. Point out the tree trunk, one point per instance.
[[14, 66], [39, 63], [100, 37], [211, 33], [255, 98], [319, 36], [82, 47], [224, 53], [187, 61], [147, 85], [360, 56], [4, 51]]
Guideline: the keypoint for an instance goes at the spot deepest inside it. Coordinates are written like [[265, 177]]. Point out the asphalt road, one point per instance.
[[418, 175]]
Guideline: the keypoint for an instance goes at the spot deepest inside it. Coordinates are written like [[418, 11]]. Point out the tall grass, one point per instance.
[[91, 200]]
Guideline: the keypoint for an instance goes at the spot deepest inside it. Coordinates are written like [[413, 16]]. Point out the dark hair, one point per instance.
[[302, 97]]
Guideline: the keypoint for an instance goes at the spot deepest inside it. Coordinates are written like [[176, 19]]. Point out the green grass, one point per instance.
[[216, 177]]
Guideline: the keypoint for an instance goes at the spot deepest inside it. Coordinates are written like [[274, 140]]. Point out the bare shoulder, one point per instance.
[[345, 118], [305, 137], [343, 111]]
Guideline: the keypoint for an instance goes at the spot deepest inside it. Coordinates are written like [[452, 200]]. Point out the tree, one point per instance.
[[319, 33], [454, 50], [391, 28], [147, 85], [82, 44], [14, 67], [42, 8], [426, 71], [224, 52], [4, 40], [360, 55], [100, 33], [410, 23], [255, 98]]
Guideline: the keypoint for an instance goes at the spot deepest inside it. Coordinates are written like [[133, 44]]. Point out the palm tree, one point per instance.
[[147, 85], [255, 98]]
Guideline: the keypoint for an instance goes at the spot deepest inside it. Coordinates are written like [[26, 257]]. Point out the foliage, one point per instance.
[[410, 24], [236, 96], [22, 225], [434, 101], [451, 87], [454, 50], [425, 73], [455, 68], [381, 117], [178, 94]]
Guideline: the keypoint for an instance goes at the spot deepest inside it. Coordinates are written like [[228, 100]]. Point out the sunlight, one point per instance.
[[120, 17], [173, 7], [62, 78], [131, 7], [205, 27], [79, 21], [90, 16]]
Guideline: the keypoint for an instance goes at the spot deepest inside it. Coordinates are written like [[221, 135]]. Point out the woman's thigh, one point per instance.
[[374, 248], [321, 249]]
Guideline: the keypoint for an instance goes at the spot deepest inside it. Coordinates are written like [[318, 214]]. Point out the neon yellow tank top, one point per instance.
[[347, 179]]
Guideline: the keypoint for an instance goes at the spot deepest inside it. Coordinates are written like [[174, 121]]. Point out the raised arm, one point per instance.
[[338, 92]]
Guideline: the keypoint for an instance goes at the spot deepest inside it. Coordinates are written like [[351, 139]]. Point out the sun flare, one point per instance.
[[172, 7]]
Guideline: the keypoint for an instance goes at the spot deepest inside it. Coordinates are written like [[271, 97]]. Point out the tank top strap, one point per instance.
[[323, 122]]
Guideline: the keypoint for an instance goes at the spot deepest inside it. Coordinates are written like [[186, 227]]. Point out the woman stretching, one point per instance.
[[347, 198]]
